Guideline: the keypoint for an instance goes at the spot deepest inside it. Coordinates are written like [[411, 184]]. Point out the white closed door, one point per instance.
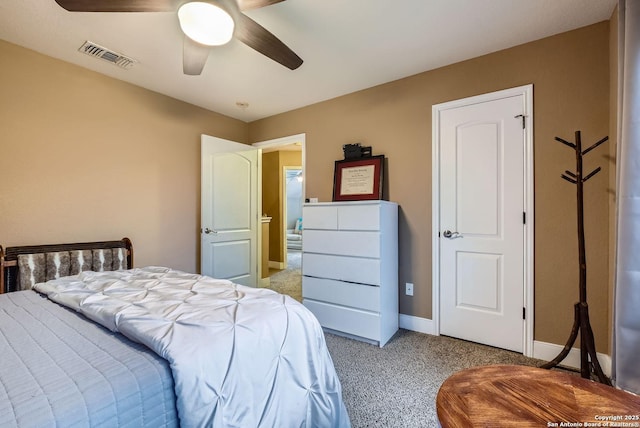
[[231, 179], [481, 222]]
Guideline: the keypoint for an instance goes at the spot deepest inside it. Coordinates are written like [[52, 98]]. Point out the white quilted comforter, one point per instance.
[[240, 357]]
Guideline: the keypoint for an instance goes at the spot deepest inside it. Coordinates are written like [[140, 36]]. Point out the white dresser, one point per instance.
[[350, 267]]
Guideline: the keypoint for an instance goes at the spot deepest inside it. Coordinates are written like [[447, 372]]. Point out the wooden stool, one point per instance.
[[520, 396]]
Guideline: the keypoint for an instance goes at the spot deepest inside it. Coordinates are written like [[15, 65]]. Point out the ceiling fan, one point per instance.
[[206, 23]]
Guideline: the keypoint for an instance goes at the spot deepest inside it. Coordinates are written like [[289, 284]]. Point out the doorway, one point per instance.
[[283, 195], [482, 198], [293, 200]]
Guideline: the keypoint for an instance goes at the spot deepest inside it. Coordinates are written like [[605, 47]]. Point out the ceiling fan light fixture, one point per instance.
[[206, 23]]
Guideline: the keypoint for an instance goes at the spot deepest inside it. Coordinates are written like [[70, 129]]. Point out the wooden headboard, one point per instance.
[[10, 269]]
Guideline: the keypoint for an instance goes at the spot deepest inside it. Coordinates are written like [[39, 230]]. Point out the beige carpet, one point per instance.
[[289, 280], [396, 386]]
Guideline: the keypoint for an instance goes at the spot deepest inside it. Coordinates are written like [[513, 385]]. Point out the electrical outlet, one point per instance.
[[409, 289]]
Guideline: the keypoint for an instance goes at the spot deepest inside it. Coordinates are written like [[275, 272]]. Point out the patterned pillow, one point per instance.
[[41, 267], [119, 256], [57, 265], [81, 260], [32, 270], [102, 260], [298, 229]]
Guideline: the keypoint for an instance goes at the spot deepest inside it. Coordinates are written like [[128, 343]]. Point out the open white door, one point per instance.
[[231, 200]]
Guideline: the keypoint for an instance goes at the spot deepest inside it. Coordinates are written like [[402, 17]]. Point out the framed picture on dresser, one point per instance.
[[358, 179]]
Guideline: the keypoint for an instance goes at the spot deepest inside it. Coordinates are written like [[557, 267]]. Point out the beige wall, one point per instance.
[[85, 157], [570, 74], [271, 200]]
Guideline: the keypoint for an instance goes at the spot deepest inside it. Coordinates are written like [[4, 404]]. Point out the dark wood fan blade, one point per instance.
[[255, 4], [257, 37], [194, 57], [120, 5]]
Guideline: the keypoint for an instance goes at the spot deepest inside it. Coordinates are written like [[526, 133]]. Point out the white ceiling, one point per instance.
[[346, 45]]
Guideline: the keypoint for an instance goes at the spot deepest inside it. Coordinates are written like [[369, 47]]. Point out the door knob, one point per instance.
[[208, 231], [450, 234]]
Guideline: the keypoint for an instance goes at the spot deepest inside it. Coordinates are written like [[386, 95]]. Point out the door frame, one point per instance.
[[285, 205], [437, 109], [285, 141]]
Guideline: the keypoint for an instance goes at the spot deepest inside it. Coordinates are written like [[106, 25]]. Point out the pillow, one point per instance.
[[80, 261], [119, 256], [58, 265], [298, 229], [102, 260], [32, 270]]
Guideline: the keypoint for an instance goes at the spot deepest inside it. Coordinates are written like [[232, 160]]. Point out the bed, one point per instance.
[[115, 345]]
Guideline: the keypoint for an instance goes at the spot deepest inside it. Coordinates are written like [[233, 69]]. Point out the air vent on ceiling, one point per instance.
[[103, 53]]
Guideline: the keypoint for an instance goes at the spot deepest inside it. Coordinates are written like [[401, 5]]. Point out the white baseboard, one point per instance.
[[421, 325], [548, 351], [541, 350], [265, 282], [276, 265]]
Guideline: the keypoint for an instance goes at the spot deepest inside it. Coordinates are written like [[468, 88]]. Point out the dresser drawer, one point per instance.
[[320, 217], [342, 217], [352, 269], [359, 217], [345, 243], [358, 296], [348, 320]]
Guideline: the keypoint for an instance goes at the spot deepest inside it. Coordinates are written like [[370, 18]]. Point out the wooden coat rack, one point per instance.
[[588, 358]]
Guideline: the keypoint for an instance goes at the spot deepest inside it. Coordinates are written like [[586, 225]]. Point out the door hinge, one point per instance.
[[524, 217], [524, 312], [524, 119]]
